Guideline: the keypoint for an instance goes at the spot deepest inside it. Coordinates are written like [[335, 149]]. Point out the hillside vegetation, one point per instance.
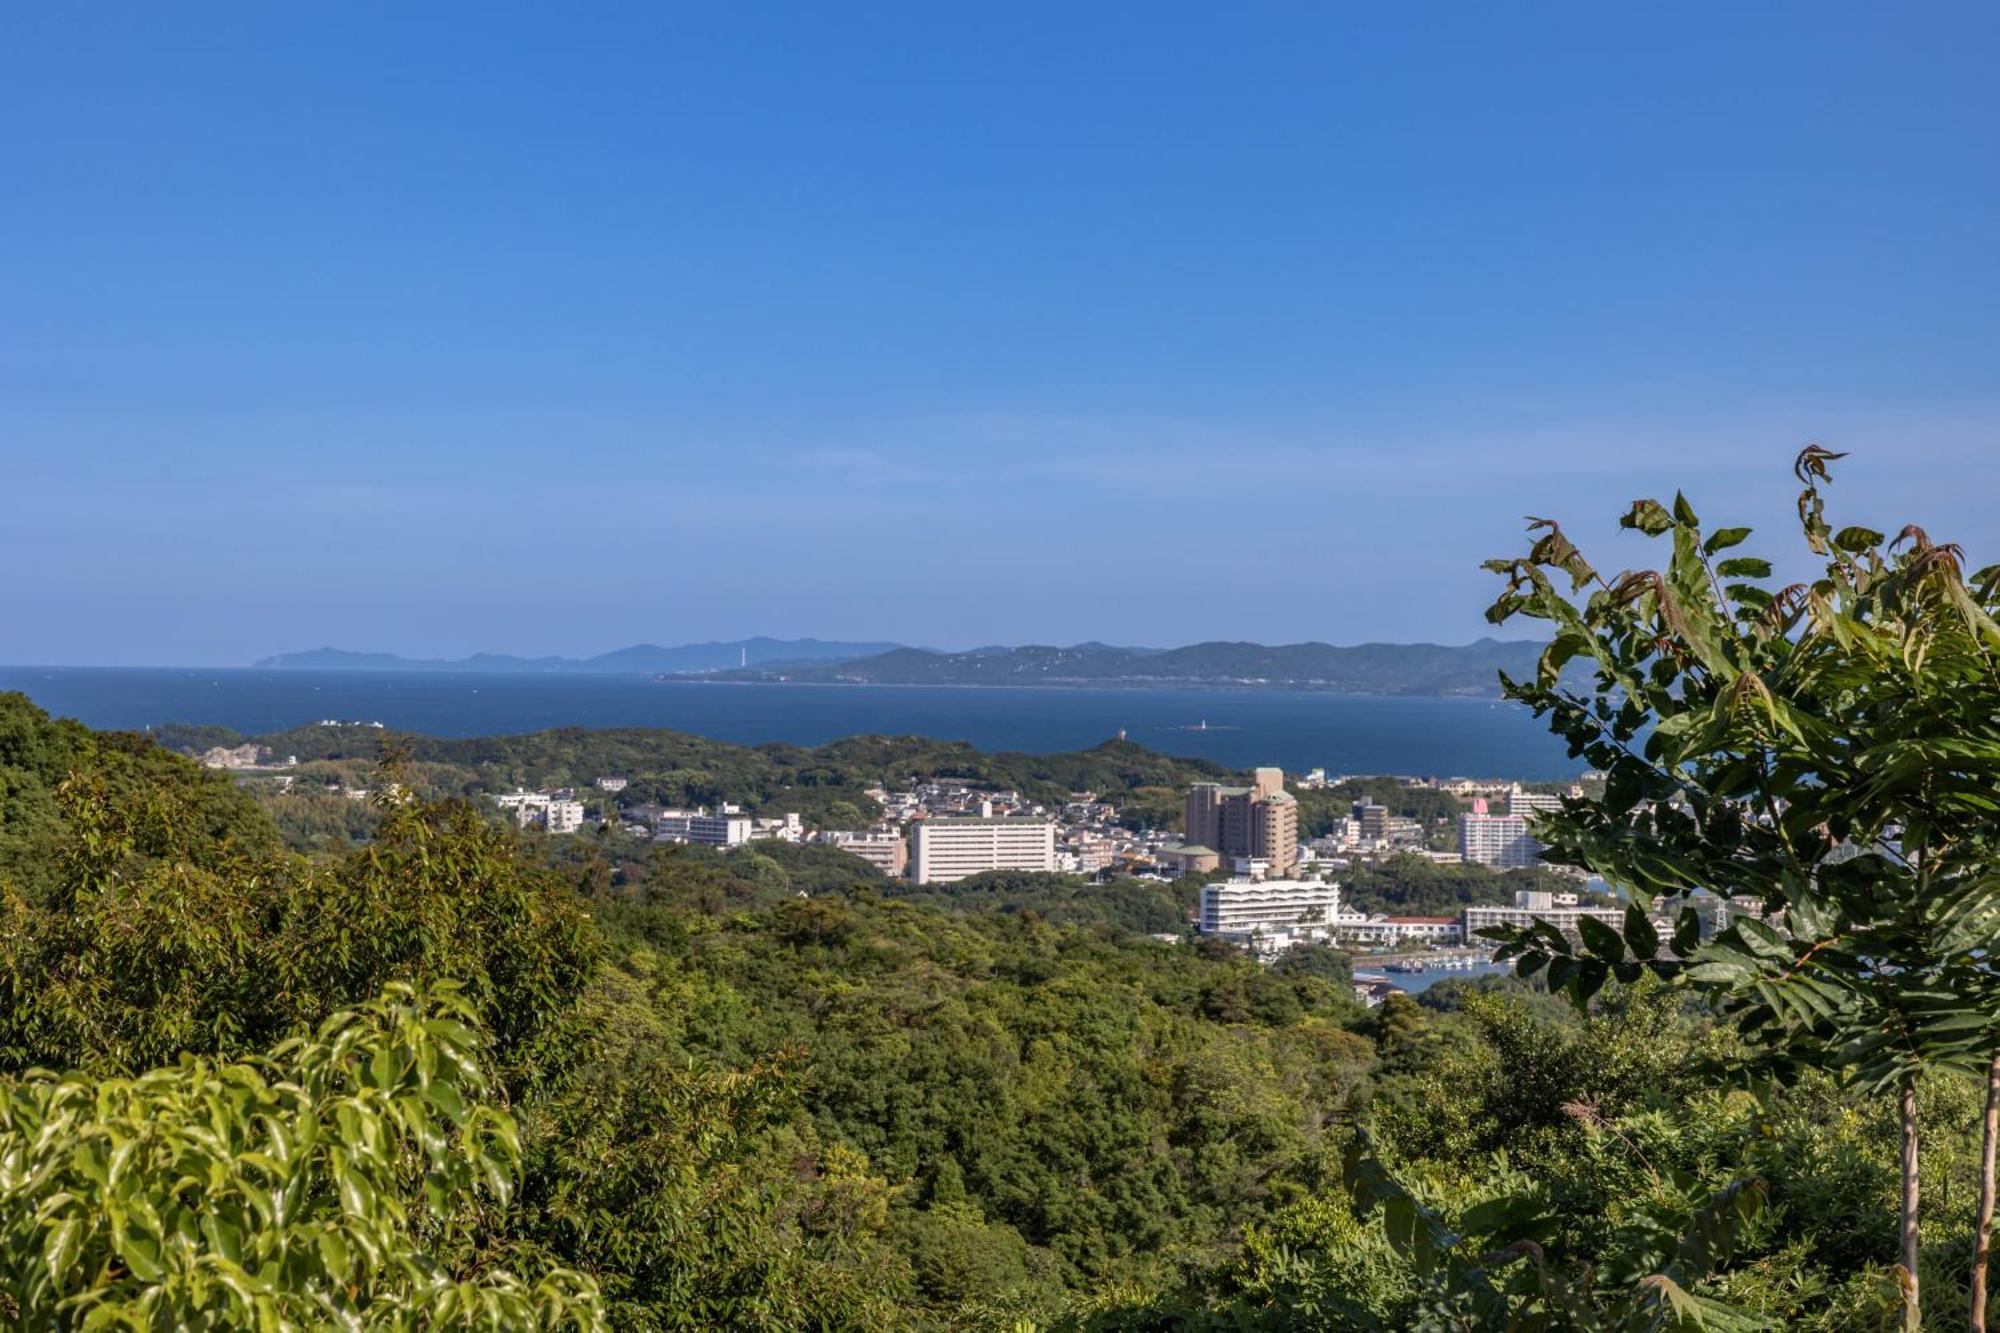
[[763, 1089], [1371, 668]]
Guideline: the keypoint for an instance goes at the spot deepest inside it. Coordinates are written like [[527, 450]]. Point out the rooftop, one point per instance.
[[985, 819]]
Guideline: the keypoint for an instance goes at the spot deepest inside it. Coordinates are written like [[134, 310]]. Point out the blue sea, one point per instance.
[[1416, 983], [1295, 730]]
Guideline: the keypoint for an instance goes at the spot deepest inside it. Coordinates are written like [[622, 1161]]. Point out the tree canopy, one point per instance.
[[1823, 754]]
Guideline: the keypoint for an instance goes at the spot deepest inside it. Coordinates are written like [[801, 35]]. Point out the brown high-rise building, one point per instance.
[[1259, 821]]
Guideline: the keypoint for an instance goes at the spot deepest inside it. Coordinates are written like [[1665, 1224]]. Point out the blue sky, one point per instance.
[[549, 329]]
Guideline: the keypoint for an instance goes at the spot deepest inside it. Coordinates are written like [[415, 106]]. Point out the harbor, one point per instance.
[[1415, 973], [1424, 960]]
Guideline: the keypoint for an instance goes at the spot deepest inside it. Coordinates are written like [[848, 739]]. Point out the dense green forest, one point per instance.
[[768, 1089]]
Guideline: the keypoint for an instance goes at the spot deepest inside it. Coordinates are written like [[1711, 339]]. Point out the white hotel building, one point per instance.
[[731, 828], [944, 848], [1276, 912]]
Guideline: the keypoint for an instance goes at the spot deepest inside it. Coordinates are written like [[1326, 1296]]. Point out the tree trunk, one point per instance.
[[1982, 1232], [1912, 1296]]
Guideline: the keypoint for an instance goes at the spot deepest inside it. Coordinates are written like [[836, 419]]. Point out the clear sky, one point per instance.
[[435, 328]]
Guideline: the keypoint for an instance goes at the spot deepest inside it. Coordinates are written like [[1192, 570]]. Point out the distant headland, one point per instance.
[[1371, 668]]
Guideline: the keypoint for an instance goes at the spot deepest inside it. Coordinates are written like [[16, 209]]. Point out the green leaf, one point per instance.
[[1600, 938], [1718, 972], [1560, 972], [59, 1251], [1724, 538], [445, 1097], [1640, 932], [1648, 516], [1744, 567], [1762, 940], [1687, 932], [1591, 974]]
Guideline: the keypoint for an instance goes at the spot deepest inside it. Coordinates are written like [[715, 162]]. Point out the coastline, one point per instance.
[[1119, 683]]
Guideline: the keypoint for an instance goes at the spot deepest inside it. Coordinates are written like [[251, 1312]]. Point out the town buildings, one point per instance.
[[1530, 907], [1529, 803], [557, 811], [1501, 841], [1188, 858], [1258, 822], [1390, 932], [885, 849], [728, 828], [944, 848], [1371, 818]]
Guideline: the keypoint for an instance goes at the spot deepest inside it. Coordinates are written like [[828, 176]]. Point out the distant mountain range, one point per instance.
[[640, 659], [1369, 668]]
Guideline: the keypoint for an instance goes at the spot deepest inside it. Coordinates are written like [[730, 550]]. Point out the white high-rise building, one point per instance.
[[1500, 841], [951, 847], [565, 816]]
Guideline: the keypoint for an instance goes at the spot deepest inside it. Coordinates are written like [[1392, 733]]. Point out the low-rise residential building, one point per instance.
[[1092, 851], [1437, 858], [1426, 929], [1530, 907], [1392, 932], [528, 807], [1188, 858], [887, 850], [1372, 990], [1526, 803], [730, 828], [1383, 931], [613, 785]]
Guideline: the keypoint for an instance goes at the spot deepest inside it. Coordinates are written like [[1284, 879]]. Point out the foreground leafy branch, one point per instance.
[[302, 1191], [1811, 767], [1483, 1276]]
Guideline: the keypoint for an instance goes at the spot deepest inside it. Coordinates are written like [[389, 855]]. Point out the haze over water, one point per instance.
[[1297, 730]]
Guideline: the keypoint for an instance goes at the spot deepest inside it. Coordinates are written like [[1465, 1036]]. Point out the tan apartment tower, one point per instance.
[[1260, 821]]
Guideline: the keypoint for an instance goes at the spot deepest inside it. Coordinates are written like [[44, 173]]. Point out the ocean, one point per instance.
[[1296, 730]]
